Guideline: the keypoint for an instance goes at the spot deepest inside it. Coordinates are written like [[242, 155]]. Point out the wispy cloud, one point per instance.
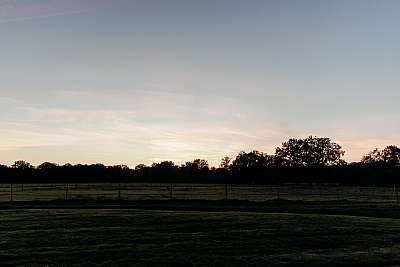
[[168, 125], [146, 126]]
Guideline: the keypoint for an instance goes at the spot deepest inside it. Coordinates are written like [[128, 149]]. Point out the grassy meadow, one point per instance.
[[153, 191], [98, 237], [308, 226]]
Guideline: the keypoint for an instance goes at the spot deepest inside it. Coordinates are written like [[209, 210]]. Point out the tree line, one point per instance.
[[309, 160]]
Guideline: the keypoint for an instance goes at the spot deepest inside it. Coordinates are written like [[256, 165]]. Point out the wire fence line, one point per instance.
[[163, 191]]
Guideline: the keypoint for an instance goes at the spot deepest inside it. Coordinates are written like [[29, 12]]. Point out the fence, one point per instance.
[[141, 191]]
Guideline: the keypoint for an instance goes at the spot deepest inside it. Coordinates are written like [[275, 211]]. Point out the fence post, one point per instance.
[[66, 192], [170, 191], [11, 192], [119, 191], [226, 191]]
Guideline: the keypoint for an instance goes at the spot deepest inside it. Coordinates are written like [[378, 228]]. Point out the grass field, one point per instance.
[[115, 237], [143, 191], [190, 226]]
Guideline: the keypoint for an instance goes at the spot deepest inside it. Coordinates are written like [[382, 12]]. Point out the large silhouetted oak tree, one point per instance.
[[309, 152]]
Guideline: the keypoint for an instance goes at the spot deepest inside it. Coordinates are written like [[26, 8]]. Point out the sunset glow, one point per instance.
[[144, 81]]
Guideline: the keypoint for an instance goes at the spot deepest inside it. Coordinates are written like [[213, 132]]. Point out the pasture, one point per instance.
[[160, 191], [99, 237], [198, 225]]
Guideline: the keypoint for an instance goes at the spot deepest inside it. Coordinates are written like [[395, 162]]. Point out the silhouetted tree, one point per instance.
[[6, 174], [309, 160], [22, 165], [166, 170], [140, 167], [23, 170], [197, 164], [390, 155], [225, 163], [220, 175], [252, 160], [374, 156], [195, 169], [120, 172], [47, 166], [311, 152], [142, 172], [251, 166]]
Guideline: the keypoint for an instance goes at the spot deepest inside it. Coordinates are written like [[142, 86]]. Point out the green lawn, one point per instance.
[[158, 238]]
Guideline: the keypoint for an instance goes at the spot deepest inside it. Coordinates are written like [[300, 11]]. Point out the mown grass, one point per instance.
[[159, 238]]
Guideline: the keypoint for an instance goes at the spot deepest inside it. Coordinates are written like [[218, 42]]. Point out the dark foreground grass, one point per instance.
[[159, 238]]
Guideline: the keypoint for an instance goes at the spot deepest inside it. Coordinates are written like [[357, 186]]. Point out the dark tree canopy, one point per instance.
[[22, 165], [252, 160], [310, 152], [390, 155], [165, 169], [47, 166], [225, 163], [197, 164], [309, 160], [374, 156]]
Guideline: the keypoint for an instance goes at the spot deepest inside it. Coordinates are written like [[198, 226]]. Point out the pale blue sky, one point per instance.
[[132, 82]]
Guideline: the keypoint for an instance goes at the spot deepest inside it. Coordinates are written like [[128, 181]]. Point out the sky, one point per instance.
[[129, 82]]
